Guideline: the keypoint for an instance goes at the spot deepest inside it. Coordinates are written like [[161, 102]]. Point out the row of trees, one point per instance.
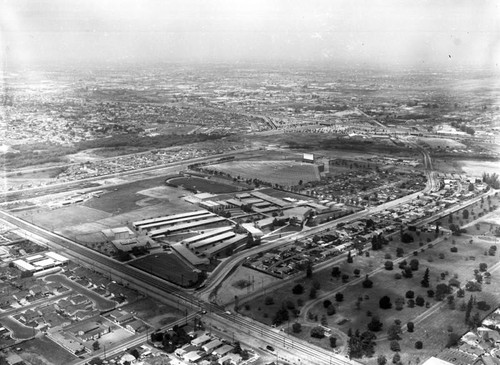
[[492, 180]]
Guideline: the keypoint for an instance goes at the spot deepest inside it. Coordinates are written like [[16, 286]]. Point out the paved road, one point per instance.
[[36, 304], [223, 270], [157, 287]]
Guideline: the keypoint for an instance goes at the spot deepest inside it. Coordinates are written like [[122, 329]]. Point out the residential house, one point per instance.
[[120, 316], [212, 345], [223, 350], [94, 333], [229, 359], [21, 295], [200, 341], [78, 299], [136, 326]]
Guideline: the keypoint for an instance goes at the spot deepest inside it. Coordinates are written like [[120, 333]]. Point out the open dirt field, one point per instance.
[[63, 217], [167, 266], [164, 208], [276, 172], [128, 197]]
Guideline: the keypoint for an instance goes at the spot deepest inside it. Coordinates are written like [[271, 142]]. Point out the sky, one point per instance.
[[443, 33]]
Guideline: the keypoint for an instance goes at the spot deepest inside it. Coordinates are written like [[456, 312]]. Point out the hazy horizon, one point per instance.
[[380, 33]]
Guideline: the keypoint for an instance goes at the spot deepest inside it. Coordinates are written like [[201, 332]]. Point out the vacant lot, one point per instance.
[[43, 348], [283, 194], [244, 281], [167, 266], [155, 313], [276, 172]]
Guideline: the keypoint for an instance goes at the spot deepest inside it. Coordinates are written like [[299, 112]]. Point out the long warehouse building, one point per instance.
[[212, 241], [157, 225], [139, 224], [182, 227], [207, 234], [235, 241]]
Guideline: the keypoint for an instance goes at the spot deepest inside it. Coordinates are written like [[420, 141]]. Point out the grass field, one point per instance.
[[203, 185], [276, 172], [167, 266], [440, 142]]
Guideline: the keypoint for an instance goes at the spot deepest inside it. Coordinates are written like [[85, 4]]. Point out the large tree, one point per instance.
[[385, 302]]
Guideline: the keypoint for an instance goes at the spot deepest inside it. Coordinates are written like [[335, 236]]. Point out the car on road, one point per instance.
[[228, 312], [270, 348]]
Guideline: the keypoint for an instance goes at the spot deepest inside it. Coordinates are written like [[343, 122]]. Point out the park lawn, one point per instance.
[[167, 266], [328, 284], [44, 348], [386, 284], [432, 330], [482, 228], [463, 262], [305, 334], [265, 313]]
